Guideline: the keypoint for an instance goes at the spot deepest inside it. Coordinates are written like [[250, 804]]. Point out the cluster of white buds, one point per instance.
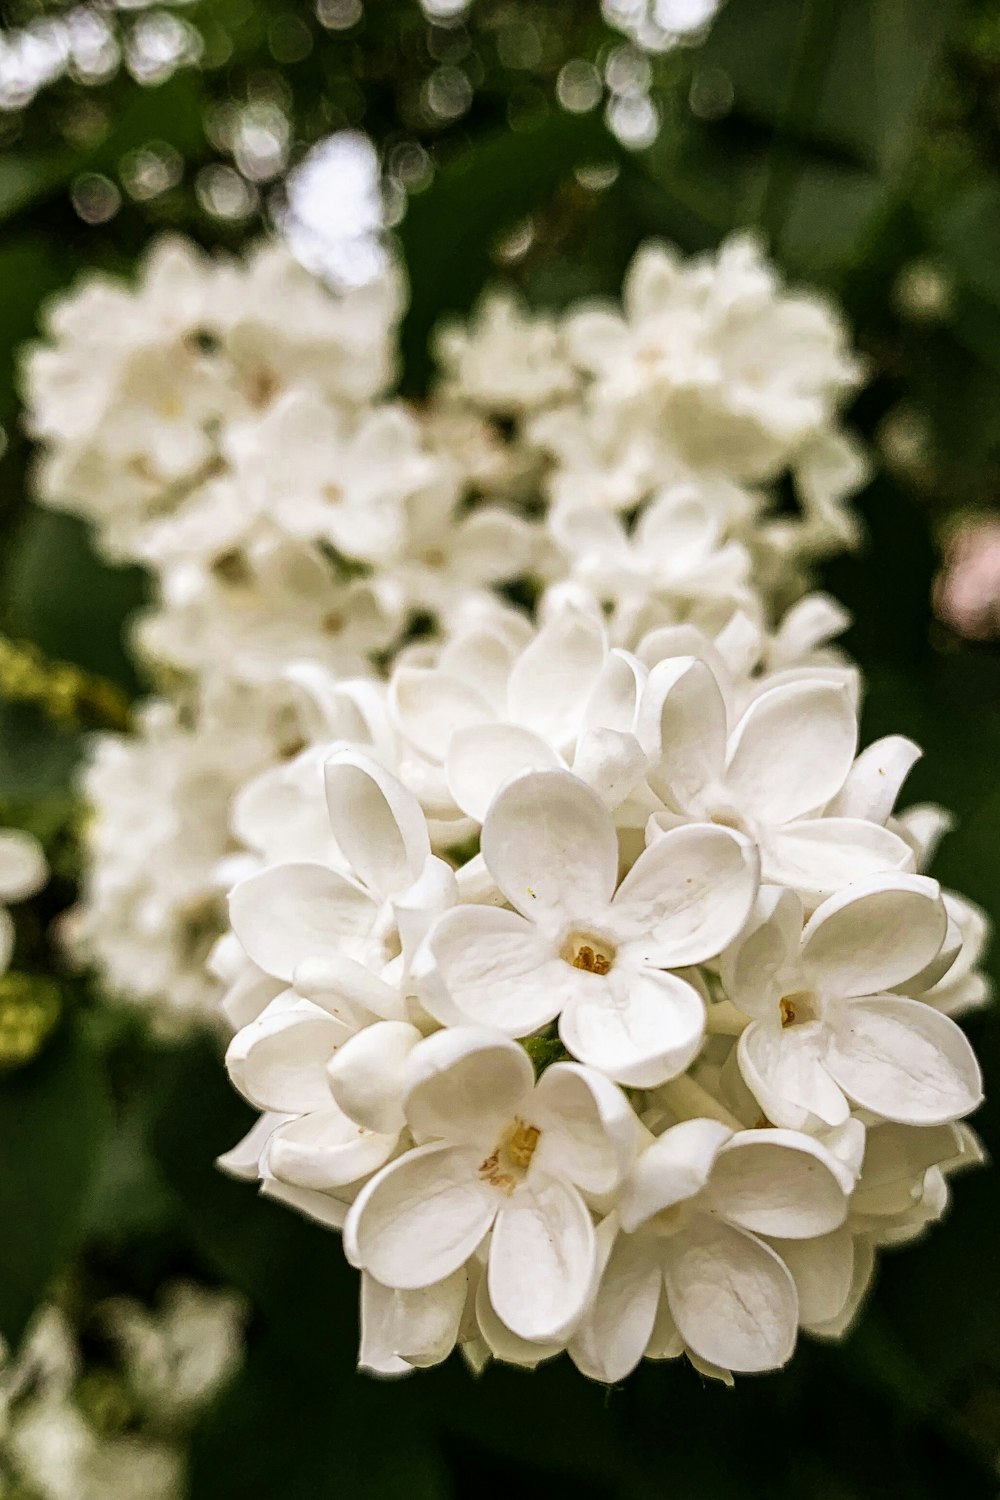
[[580, 967], [72, 1430]]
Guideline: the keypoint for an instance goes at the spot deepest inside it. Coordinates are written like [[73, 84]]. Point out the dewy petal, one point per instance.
[[620, 1323], [733, 1299], [23, 870], [817, 856], [777, 1182], [379, 826], [480, 759], [674, 1169], [325, 1150], [553, 677], [754, 969], [905, 1061], [298, 911], [682, 725], [465, 1085], [823, 1270], [874, 935], [496, 970], [874, 781], [589, 1132], [783, 1067], [279, 1061], [366, 1075], [686, 897], [429, 706], [551, 846], [542, 1258], [638, 1026], [420, 1218], [792, 751]]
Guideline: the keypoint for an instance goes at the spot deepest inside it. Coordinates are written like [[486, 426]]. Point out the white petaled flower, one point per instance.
[[826, 1031], [689, 1266], [491, 713], [772, 777], [577, 948], [498, 1155]]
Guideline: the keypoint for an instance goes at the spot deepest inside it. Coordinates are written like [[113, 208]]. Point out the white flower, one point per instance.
[[576, 948], [825, 1031], [23, 872], [690, 1266], [506, 360], [771, 778], [500, 1155], [740, 371]]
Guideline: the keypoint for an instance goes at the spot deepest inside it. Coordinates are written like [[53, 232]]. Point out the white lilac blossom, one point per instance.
[[166, 1365], [503, 798]]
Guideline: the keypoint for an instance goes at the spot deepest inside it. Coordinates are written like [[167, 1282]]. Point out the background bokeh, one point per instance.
[[539, 142]]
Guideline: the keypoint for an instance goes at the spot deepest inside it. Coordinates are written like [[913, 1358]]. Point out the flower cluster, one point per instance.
[[112, 1427], [582, 970]]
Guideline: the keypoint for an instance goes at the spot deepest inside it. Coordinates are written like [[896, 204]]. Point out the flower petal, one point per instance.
[[792, 750], [465, 1084], [682, 725], [590, 1134], [754, 969], [638, 1026], [379, 825], [553, 677], [325, 1150], [777, 1182], [874, 935], [905, 1061], [298, 911], [733, 1299], [400, 1330], [874, 781], [428, 706], [823, 1270], [420, 1218], [482, 758], [817, 856], [501, 1342], [550, 845], [279, 1061], [541, 1262], [783, 1067], [674, 1169], [366, 1075], [495, 970], [686, 897], [620, 1323]]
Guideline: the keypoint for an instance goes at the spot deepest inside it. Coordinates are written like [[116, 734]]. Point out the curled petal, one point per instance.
[[638, 1026], [298, 911], [792, 750], [905, 1061]]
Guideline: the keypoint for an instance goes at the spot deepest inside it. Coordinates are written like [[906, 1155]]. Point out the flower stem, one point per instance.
[[689, 1101]]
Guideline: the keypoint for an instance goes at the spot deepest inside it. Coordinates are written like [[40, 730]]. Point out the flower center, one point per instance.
[[798, 1008], [510, 1159], [594, 955]]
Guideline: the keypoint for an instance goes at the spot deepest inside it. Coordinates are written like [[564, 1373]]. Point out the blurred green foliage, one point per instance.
[[861, 136]]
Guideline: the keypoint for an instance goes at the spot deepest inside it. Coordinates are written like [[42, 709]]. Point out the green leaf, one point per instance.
[[53, 1118], [969, 236]]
